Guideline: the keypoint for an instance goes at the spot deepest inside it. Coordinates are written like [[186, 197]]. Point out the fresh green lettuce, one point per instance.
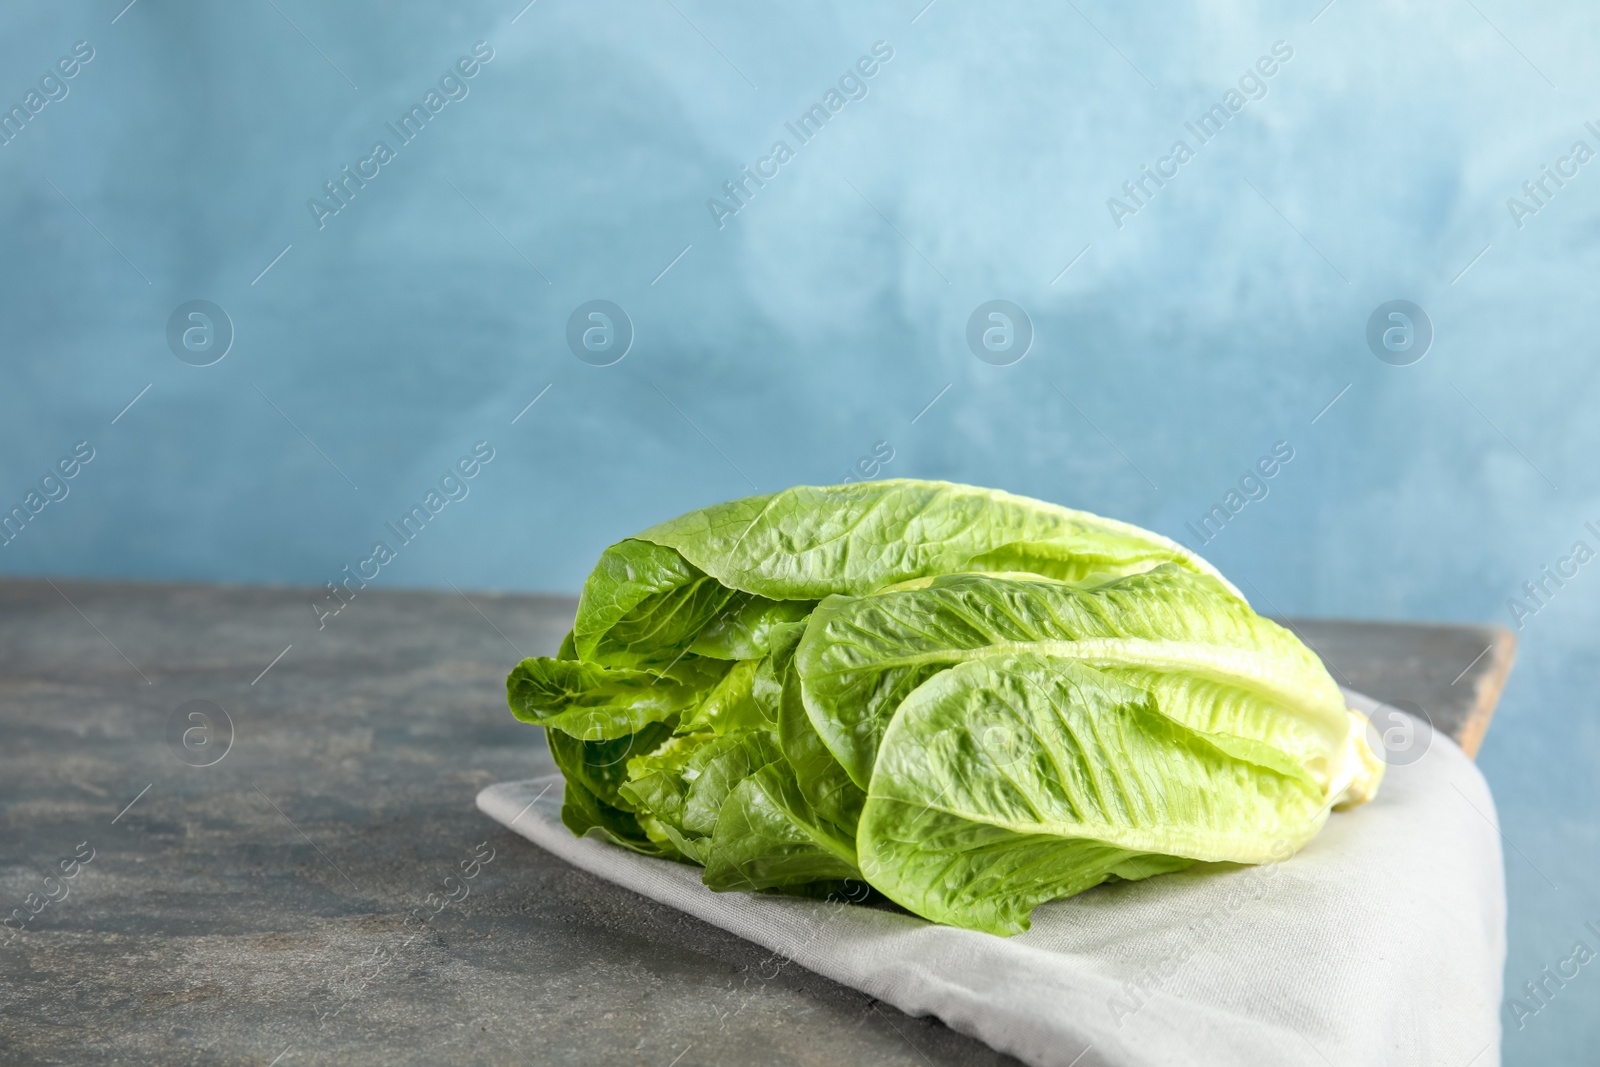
[[1016, 778], [972, 701]]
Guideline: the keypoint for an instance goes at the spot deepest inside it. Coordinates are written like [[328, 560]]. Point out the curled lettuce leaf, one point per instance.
[[651, 597], [747, 628], [643, 607], [1221, 668], [686, 784], [597, 703], [807, 542], [1015, 779]]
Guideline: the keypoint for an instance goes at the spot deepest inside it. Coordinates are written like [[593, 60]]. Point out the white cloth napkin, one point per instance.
[[1381, 942]]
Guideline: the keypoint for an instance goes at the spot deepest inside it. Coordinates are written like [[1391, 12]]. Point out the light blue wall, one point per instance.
[[1218, 320]]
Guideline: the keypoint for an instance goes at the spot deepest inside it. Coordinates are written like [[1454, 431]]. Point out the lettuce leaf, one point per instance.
[[731, 705], [1018, 778], [808, 542], [597, 703], [643, 607], [767, 836], [685, 785], [746, 629], [1219, 667]]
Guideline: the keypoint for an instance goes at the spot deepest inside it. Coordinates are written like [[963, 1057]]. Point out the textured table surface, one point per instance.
[[273, 907]]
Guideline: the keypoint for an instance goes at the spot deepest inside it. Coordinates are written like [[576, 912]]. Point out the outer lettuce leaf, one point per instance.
[[773, 673], [598, 703], [1015, 779], [716, 581], [594, 771], [821, 779], [643, 606], [768, 837], [809, 542], [745, 628], [588, 816], [791, 825], [601, 767], [1216, 665]]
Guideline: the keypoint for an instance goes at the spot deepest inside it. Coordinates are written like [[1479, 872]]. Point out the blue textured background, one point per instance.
[[1218, 320]]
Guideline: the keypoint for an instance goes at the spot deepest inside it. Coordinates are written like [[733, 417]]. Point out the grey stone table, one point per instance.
[[325, 891]]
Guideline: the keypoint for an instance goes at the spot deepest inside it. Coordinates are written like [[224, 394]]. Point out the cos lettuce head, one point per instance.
[[972, 701]]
